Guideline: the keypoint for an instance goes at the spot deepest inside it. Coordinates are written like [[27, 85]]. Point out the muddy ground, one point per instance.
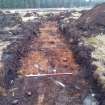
[[33, 45]]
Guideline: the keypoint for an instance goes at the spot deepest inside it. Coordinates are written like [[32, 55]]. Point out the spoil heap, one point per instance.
[[93, 20]]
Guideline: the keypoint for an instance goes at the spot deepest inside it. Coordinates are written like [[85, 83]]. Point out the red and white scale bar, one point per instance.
[[51, 75], [48, 75]]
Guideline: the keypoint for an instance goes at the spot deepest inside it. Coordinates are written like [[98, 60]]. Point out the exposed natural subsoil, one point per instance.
[[49, 52]]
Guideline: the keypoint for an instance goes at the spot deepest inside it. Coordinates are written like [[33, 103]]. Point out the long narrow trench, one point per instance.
[[49, 52]]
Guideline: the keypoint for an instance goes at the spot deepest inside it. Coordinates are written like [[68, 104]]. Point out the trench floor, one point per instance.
[[49, 53]]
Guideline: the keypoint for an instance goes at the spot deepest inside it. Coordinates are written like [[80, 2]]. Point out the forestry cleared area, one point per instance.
[[52, 57]]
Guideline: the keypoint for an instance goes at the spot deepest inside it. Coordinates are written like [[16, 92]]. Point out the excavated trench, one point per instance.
[[47, 54]]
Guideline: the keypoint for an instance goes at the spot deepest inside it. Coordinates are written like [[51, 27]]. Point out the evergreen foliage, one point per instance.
[[46, 3]]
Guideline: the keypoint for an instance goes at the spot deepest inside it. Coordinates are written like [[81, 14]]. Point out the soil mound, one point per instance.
[[93, 20]]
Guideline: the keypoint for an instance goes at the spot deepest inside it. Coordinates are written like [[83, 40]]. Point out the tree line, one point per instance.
[[45, 3]]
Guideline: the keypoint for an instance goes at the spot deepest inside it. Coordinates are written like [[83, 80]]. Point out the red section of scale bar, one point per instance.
[[45, 75]]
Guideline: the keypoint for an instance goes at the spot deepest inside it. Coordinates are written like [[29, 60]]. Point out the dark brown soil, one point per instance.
[[89, 24], [93, 20]]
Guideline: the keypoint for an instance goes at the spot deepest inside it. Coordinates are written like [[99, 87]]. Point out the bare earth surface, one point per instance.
[[49, 52]]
